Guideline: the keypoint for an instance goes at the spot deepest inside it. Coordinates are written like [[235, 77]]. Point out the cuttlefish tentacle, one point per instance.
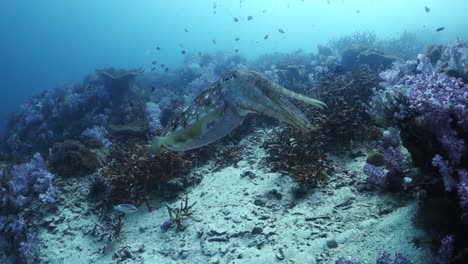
[[222, 107]]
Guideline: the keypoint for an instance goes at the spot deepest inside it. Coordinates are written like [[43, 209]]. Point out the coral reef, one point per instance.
[[54, 116], [71, 158], [411, 119]]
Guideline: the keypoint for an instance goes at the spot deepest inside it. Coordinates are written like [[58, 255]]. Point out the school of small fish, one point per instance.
[[248, 18]]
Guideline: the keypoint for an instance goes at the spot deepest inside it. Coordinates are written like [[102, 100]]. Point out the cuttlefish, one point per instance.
[[223, 106]]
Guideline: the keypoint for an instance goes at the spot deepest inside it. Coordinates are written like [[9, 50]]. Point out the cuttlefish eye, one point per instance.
[[228, 77]]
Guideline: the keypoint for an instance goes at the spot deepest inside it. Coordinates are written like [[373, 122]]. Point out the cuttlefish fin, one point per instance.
[[155, 147], [203, 132]]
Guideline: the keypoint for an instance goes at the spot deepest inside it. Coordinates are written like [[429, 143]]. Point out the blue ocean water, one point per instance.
[[47, 43]]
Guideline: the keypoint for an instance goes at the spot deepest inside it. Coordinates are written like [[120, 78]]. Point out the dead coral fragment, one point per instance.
[[70, 158], [178, 214], [108, 230]]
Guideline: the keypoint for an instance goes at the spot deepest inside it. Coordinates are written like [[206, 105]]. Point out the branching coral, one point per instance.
[[364, 39], [298, 155], [407, 46], [346, 119]]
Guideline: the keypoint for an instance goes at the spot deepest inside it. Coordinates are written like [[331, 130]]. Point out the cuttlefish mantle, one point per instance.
[[222, 107]]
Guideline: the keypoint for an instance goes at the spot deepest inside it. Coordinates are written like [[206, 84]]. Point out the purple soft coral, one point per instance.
[[463, 189], [344, 261], [19, 188], [442, 101], [444, 170], [30, 248], [393, 159], [445, 252], [97, 133], [375, 174], [432, 96], [32, 177], [385, 258]]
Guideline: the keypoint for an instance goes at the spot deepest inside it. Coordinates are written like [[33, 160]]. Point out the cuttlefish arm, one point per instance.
[[253, 92], [222, 107]]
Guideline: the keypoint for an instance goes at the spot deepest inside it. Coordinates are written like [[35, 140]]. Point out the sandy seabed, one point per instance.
[[245, 214]]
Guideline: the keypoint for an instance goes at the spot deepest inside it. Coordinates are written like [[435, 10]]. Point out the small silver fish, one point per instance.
[[223, 106], [125, 208]]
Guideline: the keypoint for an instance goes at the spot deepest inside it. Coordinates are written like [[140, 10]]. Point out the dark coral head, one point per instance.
[[71, 158]]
